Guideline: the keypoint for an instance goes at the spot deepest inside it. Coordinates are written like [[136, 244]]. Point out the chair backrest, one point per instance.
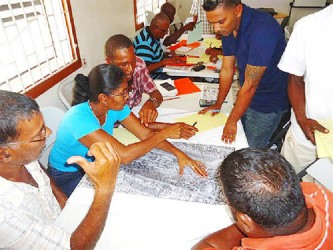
[[149, 15], [52, 117], [65, 93], [301, 8]]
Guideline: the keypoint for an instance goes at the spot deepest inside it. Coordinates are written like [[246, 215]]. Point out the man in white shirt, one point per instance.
[[29, 201], [308, 60]]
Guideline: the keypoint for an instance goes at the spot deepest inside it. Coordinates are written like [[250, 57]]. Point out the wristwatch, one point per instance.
[[154, 101]]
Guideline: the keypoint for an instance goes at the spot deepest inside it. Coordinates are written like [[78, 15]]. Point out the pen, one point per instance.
[[215, 110], [172, 98], [194, 124]]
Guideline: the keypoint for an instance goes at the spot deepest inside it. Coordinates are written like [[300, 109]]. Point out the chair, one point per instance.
[[52, 118], [280, 132], [149, 15], [301, 8], [65, 93]]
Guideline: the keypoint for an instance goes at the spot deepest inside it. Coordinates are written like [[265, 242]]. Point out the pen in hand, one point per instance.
[[194, 124]]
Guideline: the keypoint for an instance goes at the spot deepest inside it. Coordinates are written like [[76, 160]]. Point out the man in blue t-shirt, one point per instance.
[[255, 40]]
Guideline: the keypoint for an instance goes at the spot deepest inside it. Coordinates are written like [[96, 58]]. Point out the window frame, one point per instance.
[[55, 78], [139, 25]]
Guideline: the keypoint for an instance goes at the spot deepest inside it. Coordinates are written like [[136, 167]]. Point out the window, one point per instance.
[[141, 6], [38, 45]]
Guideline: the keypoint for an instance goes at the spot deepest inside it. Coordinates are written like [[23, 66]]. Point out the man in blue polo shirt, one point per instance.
[[255, 40]]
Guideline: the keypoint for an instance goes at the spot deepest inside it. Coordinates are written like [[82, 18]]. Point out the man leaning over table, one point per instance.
[[30, 202], [147, 44], [308, 60], [256, 41], [119, 51], [271, 208]]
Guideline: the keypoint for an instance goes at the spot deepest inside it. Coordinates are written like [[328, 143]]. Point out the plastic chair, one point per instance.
[[301, 8], [149, 15], [280, 132], [65, 93], [52, 118]]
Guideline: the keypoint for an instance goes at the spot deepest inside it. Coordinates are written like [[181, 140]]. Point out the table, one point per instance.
[[177, 71], [144, 223]]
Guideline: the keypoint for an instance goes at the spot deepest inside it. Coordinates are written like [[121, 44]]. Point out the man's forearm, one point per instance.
[[296, 93], [157, 95], [155, 66], [90, 229]]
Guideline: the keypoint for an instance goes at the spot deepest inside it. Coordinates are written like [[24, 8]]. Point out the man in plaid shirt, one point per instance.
[[119, 51], [200, 15]]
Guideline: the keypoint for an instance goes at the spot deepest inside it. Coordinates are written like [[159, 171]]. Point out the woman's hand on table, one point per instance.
[[179, 130], [197, 166]]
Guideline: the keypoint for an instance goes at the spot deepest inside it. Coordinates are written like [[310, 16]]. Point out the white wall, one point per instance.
[[95, 21]]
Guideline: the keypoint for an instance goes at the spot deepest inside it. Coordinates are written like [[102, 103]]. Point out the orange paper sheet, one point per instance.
[[185, 86], [178, 45]]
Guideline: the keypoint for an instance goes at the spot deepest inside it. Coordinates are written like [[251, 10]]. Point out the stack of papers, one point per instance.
[[324, 141]]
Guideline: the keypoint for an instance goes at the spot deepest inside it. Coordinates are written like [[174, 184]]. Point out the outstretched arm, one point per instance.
[[171, 39], [253, 75]]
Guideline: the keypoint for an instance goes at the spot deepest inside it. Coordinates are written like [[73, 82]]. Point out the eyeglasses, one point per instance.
[[164, 31], [42, 135], [124, 94]]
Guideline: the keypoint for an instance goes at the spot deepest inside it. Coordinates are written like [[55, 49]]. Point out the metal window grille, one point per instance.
[[143, 5], [35, 42]]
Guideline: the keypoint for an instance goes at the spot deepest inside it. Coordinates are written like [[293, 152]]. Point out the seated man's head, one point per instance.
[[224, 15], [169, 10], [22, 129], [264, 193], [119, 51], [159, 25]]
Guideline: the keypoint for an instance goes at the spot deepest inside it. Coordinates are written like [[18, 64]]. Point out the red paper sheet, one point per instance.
[[185, 86]]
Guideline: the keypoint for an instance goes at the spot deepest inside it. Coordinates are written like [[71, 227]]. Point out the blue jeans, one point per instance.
[[259, 127], [66, 181]]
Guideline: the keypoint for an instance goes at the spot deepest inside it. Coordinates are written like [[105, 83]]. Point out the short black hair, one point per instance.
[[210, 5], [14, 108], [263, 185], [115, 43]]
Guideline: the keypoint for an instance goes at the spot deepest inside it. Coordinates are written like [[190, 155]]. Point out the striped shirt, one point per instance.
[[146, 47], [28, 214]]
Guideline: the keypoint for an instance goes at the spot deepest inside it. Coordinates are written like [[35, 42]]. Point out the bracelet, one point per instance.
[[154, 101]]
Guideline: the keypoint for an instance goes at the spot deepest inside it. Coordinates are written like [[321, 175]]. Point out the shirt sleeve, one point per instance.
[[143, 50], [20, 230], [194, 8], [262, 44], [147, 83], [292, 60]]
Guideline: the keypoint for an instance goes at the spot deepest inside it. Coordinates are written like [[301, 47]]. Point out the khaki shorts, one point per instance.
[[299, 155]]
